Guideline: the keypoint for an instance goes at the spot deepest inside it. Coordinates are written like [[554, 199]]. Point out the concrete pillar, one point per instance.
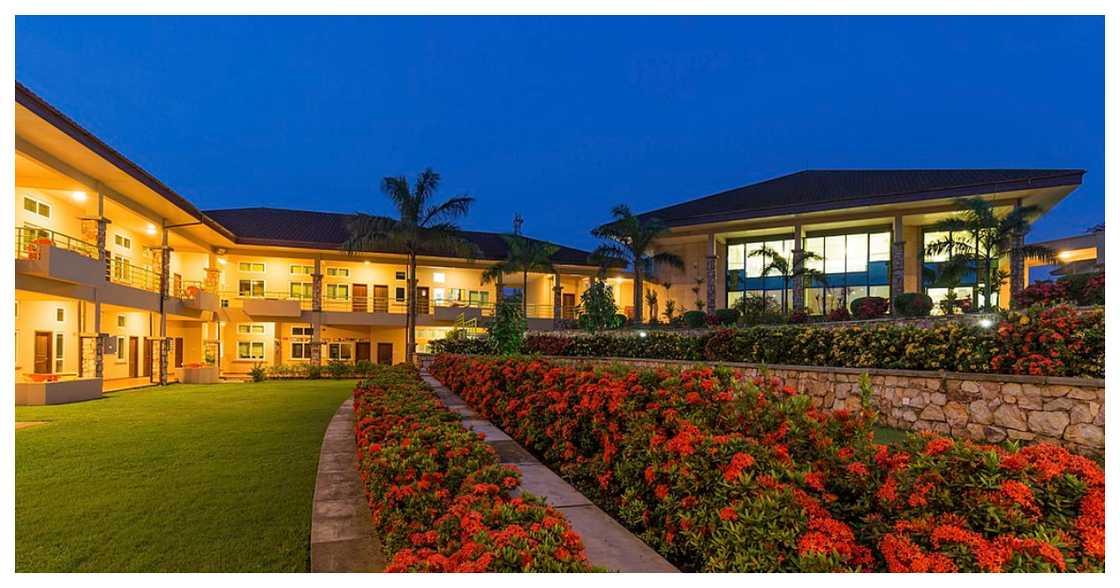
[[164, 294], [797, 300], [710, 273], [556, 301], [898, 259], [1018, 271], [317, 314]]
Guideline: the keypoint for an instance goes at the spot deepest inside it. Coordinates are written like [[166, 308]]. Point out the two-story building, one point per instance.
[[121, 281], [867, 231]]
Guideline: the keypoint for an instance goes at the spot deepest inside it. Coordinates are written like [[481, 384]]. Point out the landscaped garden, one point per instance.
[[183, 478], [719, 472]]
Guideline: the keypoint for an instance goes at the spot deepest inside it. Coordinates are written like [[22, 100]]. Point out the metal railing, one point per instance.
[[30, 239], [189, 289], [121, 271]]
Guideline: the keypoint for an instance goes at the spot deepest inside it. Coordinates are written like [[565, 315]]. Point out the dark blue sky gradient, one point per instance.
[[561, 118]]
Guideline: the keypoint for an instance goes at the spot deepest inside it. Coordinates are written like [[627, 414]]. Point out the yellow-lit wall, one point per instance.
[[137, 323], [40, 315]]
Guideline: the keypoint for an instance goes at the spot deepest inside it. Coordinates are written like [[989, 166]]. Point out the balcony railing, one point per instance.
[[29, 240], [189, 289], [121, 271]]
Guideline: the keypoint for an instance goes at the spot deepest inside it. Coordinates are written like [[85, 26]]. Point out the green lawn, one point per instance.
[[182, 478]]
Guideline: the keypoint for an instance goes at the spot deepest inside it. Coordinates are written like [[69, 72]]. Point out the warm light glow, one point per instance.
[[366, 262], [986, 323], [151, 229], [641, 333], [79, 196], [221, 261], [439, 277], [1065, 255]]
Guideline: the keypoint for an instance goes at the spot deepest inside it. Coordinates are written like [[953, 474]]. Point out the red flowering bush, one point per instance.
[[438, 497], [719, 472], [1079, 289], [1051, 341]]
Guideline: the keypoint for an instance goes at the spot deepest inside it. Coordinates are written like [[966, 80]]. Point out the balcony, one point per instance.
[[50, 254], [195, 297], [122, 271], [266, 305]]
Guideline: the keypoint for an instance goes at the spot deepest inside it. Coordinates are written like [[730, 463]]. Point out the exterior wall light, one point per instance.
[[641, 333], [221, 261], [78, 196], [151, 229], [986, 323]]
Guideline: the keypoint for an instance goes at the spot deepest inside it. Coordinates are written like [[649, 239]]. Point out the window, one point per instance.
[[478, 298], [338, 291], [936, 283], [36, 207], [400, 276], [302, 331], [338, 272], [301, 269], [301, 350], [438, 294], [746, 265], [250, 350], [399, 294], [250, 329], [439, 277], [122, 321], [255, 267], [338, 351], [121, 241], [250, 288], [735, 259], [59, 351], [300, 290], [60, 314], [120, 348]]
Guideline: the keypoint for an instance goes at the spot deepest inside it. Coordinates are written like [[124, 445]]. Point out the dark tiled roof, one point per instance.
[[327, 230], [812, 190]]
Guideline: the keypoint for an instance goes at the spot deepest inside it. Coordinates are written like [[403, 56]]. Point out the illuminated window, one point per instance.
[[255, 267], [339, 351], [122, 320], [301, 290], [250, 288], [439, 277], [338, 291], [120, 348], [302, 331], [338, 272], [122, 241], [37, 207], [250, 329], [60, 314], [59, 351], [250, 350], [301, 269]]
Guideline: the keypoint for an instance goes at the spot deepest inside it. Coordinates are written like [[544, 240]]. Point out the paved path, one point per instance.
[[342, 535], [608, 543]]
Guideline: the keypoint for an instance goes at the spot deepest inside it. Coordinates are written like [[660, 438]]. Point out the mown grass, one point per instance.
[[182, 478]]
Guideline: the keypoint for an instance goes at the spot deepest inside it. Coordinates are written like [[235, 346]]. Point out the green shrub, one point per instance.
[[598, 305], [507, 328], [911, 304], [314, 372], [338, 369], [758, 310], [257, 373], [695, 319], [727, 316]]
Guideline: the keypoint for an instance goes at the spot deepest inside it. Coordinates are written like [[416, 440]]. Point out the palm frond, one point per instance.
[[450, 210]]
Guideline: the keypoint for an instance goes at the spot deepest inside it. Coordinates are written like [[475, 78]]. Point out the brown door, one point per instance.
[[358, 302], [380, 298], [568, 306], [361, 351], [43, 355], [149, 353], [178, 352], [385, 353], [421, 300], [133, 357]]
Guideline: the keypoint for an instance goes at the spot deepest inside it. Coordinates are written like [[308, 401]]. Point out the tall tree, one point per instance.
[[776, 263], [523, 255], [629, 240], [981, 233], [422, 226]]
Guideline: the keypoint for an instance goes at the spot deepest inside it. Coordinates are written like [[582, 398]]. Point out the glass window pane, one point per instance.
[[754, 263], [733, 298], [879, 247], [735, 257], [931, 237], [813, 300], [815, 246], [857, 253], [834, 253], [880, 291]]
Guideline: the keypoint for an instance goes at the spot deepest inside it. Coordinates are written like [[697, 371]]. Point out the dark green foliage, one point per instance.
[[507, 330], [727, 316], [599, 308], [912, 304], [695, 319], [869, 307]]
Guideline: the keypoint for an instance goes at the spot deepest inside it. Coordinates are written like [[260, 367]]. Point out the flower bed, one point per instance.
[[439, 498], [721, 473], [950, 346]]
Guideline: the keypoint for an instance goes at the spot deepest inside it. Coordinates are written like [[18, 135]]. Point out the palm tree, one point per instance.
[[991, 237], [629, 240], [522, 255], [422, 227], [779, 264]]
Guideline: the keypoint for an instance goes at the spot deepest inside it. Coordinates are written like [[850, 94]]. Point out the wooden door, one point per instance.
[[385, 353], [44, 358], [178, 352], [421, 300], [568, 306], [149, 353], [133, 357], [358, 301], [361, 351], [380, 298]]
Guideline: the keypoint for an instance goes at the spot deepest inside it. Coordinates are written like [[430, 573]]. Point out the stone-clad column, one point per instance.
[[317, 314], [1018, 269], [898, 259], [711, 272], [164, 294], [556, 301], [798, 298]]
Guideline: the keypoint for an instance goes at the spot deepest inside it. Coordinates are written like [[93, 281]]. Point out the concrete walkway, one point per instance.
[[608, 543], [342, 535]]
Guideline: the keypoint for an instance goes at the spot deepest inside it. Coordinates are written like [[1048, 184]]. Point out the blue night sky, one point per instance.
[[561, 118]]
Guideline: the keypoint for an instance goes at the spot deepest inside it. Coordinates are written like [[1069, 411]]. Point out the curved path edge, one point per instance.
[[342, 534], [607, 542]]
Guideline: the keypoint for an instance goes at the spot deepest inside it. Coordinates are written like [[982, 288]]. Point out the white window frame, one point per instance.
[[309, 287], [303, 346], [59, 314], [251, 281], [122, 242], [39, 206], [252, 345], [338, 272], [334, 351], [122, 321], [296, 269], [250, 329], [242, 264], [302, 331], [59, 351], [120, 349], [335, 288]]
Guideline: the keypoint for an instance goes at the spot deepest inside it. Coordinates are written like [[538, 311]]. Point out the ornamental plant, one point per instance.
[[438, 497], [1051, 341], [718, 471], [870, 307]]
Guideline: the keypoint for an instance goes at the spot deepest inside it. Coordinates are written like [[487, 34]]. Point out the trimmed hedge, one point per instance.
[[439, 498], [718, 473], [1054, 341]]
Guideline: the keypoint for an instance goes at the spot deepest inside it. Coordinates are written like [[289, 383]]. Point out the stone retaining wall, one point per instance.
[[981, 407]]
